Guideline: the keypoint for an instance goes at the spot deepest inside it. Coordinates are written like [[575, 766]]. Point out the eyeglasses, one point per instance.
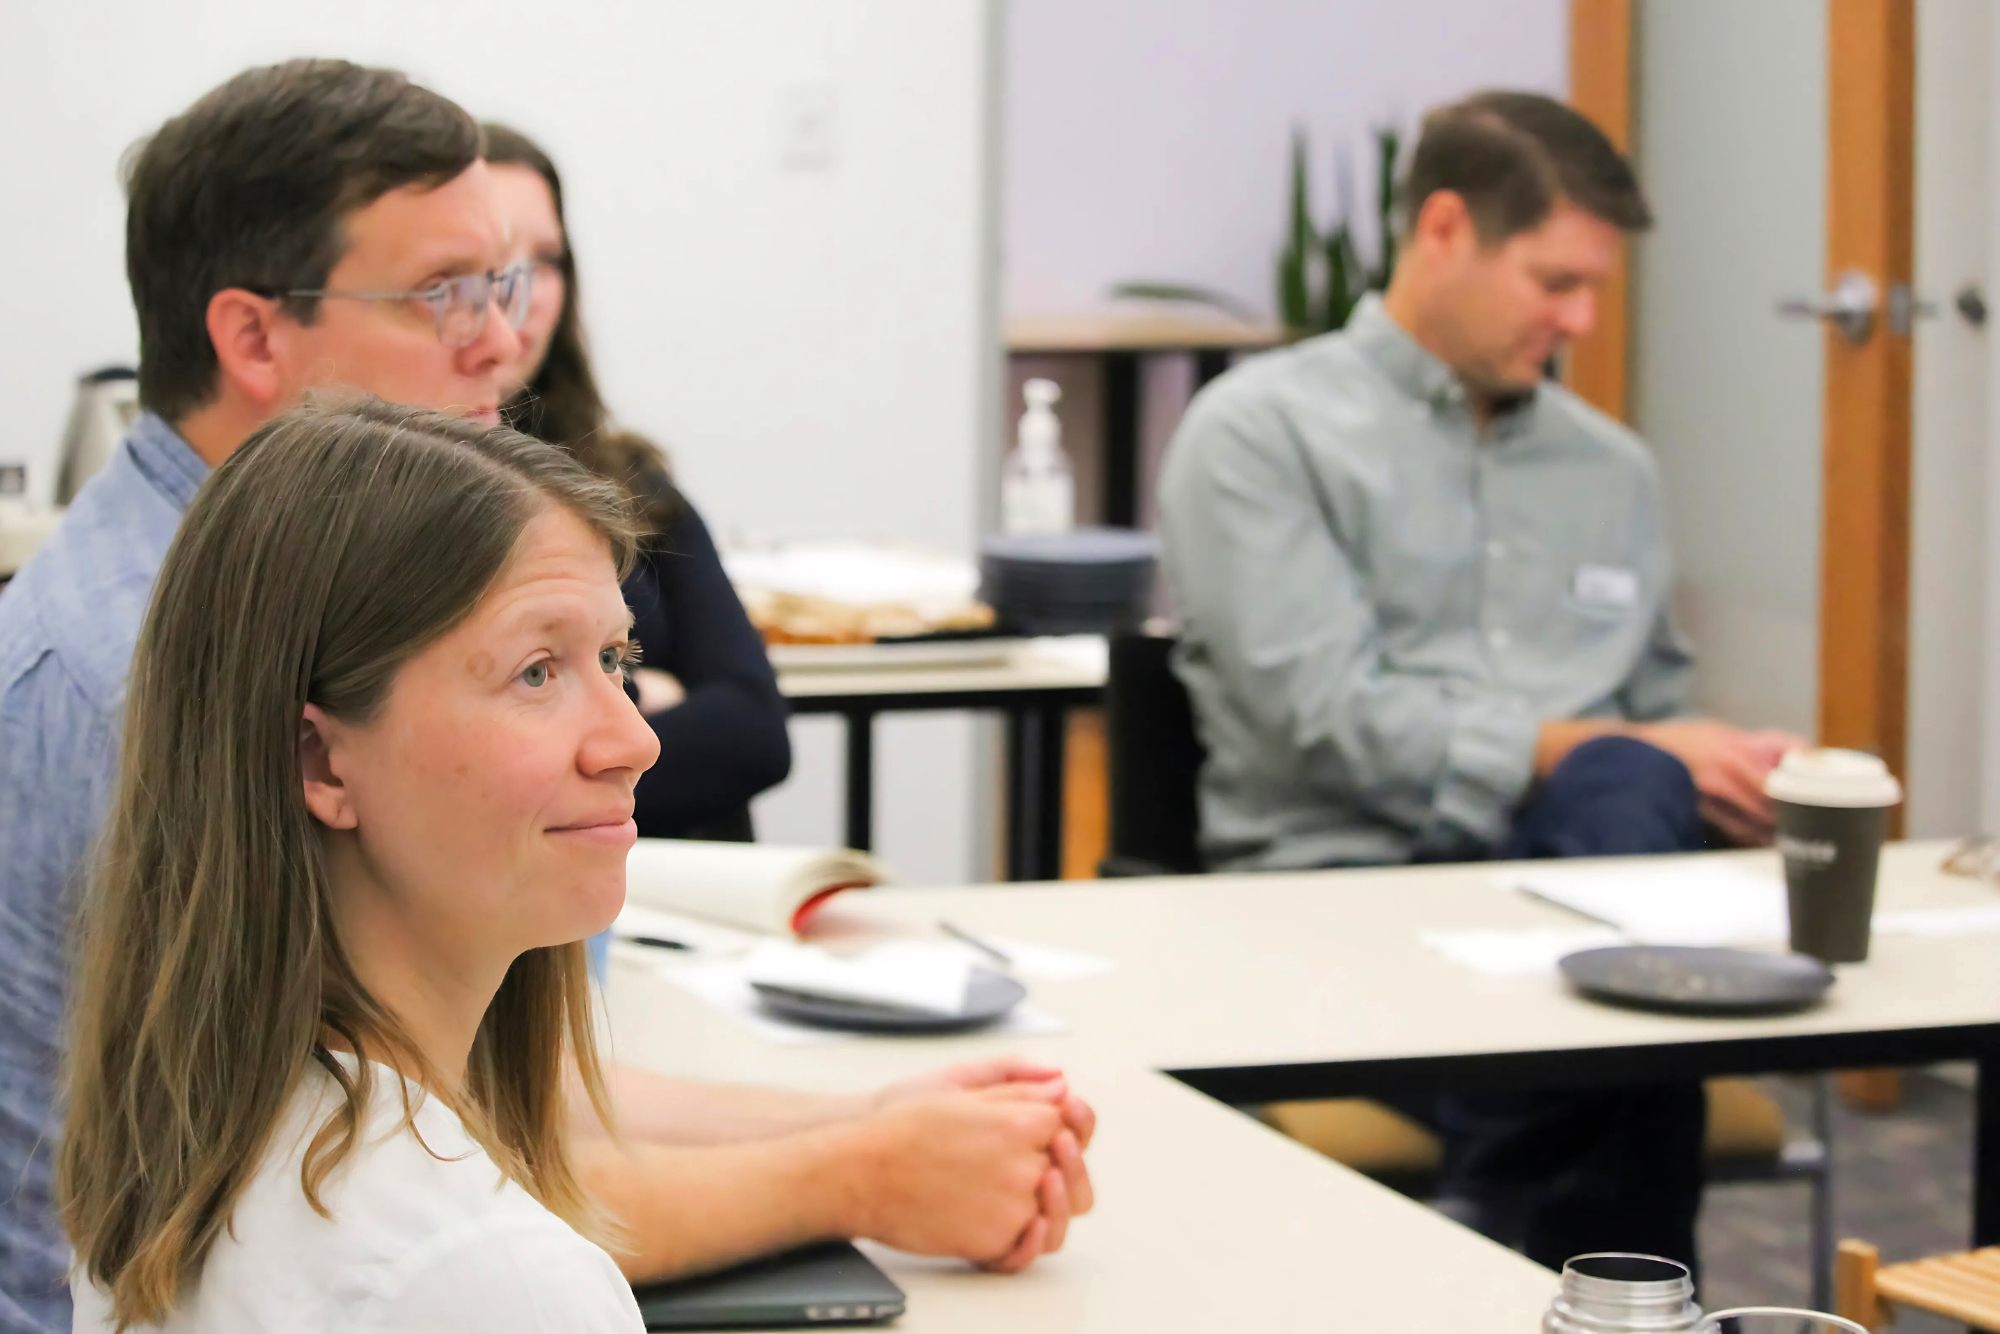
[[459, 305]]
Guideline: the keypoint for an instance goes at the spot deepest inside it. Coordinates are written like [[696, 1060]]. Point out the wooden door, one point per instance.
[[1864, 560]]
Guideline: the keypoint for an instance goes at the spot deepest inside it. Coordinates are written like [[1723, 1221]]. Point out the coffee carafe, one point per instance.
[[106, 402]]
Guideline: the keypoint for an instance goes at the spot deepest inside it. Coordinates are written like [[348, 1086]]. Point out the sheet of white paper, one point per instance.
[[1037, 963], [1689, 903], [861, 574], [919, 974], [1977, 919], [1524, 952], [1084, 653], [722, 984], [705, 936]]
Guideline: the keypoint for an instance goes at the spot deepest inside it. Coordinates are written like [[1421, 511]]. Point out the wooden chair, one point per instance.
[[1964, 1286], [1153, 756]]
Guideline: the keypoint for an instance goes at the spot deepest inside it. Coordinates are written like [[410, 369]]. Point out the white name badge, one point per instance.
[[1608, 587]]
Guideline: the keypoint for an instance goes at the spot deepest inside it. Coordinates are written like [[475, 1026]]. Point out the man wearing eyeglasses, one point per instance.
[[319, 225]]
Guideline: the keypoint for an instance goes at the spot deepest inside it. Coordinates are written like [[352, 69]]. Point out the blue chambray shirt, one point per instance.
[[1380, 604], [68, 625]]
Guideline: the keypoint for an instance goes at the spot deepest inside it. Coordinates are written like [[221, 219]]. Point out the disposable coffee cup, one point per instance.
[[1832, 809]]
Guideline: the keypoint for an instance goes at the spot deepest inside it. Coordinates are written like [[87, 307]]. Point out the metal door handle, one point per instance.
[[1971, 304], [1849, 307]]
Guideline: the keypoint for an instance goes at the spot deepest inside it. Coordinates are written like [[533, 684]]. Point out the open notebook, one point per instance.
[[753, 886]]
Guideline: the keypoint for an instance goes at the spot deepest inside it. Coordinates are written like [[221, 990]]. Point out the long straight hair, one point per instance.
[[561, 403], [337, 543]]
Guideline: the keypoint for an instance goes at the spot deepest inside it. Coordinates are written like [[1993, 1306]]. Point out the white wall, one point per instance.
[[1731, 149], [1150, 138], [1949, 420], [815, 347], [1989, 806]]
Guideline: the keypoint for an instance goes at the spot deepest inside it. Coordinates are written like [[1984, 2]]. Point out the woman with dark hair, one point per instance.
[[706, 685]]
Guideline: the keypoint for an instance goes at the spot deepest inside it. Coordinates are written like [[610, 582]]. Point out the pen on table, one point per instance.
[[992, 952], [1569, 908], [660, 942]]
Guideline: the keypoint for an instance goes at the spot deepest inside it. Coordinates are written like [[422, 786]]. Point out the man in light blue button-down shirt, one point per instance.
[[211, 370], [1425, 616]]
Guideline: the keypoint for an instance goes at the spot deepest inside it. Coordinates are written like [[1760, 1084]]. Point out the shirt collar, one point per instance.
[[167, 461], [1412, 369], [1388, 344]]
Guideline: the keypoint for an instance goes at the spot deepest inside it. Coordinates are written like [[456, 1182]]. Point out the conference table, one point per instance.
[[1237, 989]]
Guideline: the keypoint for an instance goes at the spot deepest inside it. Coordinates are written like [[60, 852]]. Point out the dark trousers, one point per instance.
[[1558, 1174]]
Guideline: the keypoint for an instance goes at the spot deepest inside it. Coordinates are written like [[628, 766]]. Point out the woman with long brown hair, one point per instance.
[[375, 790], [706, 685]]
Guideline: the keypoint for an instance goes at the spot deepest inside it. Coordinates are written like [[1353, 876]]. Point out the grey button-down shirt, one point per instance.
[[1380, 604], [68, 625]]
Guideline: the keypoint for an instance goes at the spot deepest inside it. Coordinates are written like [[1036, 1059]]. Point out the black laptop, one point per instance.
[[831, 1283]]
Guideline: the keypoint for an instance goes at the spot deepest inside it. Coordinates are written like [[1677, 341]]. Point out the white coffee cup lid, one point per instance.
[[1833, 778]]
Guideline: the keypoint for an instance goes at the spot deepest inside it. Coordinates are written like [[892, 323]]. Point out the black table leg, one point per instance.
[[861, 779], [1049, 792], [1210, 362], [1986, 1153], [1020, 819], [1034, 791], [1121, 439]]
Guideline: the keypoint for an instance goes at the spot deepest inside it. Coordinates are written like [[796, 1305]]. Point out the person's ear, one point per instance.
[[1445, 222], [327, 797], [242, 326]]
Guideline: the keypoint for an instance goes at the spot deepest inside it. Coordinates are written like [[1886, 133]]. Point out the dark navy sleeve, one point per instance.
[[726, 742]]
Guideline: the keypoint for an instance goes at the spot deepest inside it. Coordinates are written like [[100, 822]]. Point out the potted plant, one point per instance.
[[1321, 275]]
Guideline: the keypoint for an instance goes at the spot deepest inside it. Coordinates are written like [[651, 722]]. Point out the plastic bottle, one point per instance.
[[1037, 490]]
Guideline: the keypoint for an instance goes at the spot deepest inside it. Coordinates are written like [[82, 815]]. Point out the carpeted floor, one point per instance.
[[1902, 1181]]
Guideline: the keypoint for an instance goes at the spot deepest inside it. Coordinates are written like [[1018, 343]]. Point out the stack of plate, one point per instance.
[[1091, 581]]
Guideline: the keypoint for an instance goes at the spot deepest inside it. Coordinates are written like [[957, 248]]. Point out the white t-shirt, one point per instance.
[[422, 1241]]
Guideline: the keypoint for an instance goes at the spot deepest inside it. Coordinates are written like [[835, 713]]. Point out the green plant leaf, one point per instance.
[[1295, 301], [1342, 266], [1303, 236], [1294, 294], [1388, 146]]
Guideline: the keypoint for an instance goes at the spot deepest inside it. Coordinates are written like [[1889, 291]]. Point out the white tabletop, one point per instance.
[[1218, 971], [1146, 330], [1074, 662], [1207, 1218]]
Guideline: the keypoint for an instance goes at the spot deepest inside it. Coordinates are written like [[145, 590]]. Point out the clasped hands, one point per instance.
[[1729, 766], [983, 1160]]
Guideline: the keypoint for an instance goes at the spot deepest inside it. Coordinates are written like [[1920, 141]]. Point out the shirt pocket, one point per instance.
[[1576, 597]]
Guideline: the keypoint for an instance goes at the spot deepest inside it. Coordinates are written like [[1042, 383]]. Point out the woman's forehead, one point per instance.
[[558, 556]]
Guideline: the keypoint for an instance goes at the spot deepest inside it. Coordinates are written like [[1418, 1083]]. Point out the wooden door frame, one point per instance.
[[1865, 477], [1600, 86]]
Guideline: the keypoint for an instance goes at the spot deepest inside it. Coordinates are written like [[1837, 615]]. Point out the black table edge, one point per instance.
[[936, 700], [1701, 1058], [1586, 1066]]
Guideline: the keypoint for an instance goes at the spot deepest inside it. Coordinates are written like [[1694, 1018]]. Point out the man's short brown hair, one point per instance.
[[250, 186], [1511, 157]]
